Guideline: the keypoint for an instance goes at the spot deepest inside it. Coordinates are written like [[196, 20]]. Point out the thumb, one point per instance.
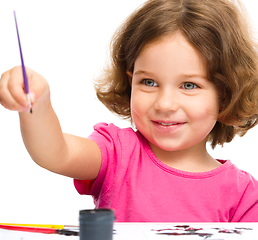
[[32, 97]]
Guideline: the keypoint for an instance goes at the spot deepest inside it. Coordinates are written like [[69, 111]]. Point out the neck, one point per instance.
[[194, 159]]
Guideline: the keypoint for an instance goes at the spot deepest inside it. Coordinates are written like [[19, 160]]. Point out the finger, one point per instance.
[[15, 86], [38, 85], [6, 98], [9, 103]]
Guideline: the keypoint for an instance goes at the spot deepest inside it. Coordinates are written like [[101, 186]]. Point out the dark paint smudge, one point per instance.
[[189, 233]]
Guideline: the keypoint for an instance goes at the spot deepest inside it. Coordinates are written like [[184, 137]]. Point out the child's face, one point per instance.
[[172, 103]]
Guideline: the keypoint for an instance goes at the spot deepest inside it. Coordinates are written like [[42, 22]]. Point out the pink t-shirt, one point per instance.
[[140, 188]]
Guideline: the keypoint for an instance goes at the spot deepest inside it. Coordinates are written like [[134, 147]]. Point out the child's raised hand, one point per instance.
[[41, 132], [12, 93]]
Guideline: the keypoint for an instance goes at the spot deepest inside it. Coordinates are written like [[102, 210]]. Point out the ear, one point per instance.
[[129, 76]]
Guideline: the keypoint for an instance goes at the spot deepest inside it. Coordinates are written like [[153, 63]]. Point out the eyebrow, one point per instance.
[[181, 75], [140, 72]]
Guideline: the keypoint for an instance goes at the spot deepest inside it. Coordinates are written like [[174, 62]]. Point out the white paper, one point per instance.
[[158, 231]]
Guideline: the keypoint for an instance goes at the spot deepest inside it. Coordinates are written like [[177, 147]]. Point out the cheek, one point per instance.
[[206, 110], [212, 113], [136, 107], [139, 102], [212, 107]]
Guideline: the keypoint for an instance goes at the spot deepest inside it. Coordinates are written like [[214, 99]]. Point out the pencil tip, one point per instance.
[[31, 110]]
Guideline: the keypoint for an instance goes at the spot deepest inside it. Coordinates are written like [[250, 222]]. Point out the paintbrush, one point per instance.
[[40, 230], [42, 225], [25, 80]]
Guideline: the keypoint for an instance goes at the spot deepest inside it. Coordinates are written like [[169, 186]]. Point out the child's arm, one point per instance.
[[62, 153]]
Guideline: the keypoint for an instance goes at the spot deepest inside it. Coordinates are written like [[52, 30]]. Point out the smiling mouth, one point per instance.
[[168, 127], [167, 124]]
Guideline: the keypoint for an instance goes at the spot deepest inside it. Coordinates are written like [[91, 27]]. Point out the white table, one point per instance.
[[158, 231]]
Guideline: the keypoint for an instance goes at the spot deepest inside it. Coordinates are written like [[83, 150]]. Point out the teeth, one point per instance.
[[167, 124]]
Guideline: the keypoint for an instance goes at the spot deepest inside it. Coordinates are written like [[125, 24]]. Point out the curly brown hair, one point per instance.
[[219, 30]]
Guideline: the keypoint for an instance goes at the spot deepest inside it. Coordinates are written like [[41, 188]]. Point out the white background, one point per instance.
[[67, 42]]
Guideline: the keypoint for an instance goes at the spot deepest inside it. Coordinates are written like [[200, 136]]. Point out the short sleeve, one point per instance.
[[107, 137], [83, 187], [247, 210]]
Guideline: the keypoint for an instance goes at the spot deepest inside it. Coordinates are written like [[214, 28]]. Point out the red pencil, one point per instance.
[[40, 230]]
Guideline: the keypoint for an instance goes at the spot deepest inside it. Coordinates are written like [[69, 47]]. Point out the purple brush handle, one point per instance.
[[25, 80]]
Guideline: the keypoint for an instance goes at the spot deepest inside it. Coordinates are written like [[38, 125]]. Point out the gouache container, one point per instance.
[[96, 224]]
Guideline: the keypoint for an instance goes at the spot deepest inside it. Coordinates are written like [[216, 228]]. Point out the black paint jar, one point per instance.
[[96, 224]]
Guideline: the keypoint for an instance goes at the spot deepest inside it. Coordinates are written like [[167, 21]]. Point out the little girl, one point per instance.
[[184, 72]]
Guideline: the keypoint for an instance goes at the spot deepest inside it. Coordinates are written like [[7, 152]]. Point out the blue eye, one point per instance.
[[189, 86], [150, 83]]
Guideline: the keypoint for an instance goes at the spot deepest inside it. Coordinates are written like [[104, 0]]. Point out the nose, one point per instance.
[[167, 100]]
